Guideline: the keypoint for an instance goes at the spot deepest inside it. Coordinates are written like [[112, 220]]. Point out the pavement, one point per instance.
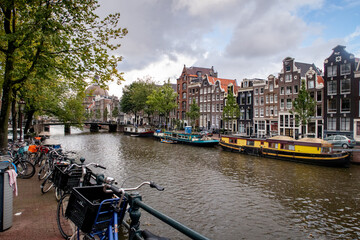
[[34, 213]]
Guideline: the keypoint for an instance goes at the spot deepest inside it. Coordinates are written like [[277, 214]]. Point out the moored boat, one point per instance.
[[138, 131], [189, 138], [167, 141], [305, 150]]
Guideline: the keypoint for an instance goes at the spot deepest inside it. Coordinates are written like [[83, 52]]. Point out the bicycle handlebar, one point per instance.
[[87, 165], [109, 185]]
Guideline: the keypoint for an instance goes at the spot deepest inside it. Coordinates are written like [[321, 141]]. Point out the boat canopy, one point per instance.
[[282, 138], [316, 140]]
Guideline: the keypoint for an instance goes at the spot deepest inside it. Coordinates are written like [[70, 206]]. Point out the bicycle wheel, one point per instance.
[[25, 169], [44, 171], [66, 227], [47, 184], [58, 193]]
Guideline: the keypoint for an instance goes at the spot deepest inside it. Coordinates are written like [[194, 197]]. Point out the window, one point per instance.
[[332, 105], [256, 112], [183, 105], [288, 90], [332, 87], [271, 87], [267, 111], [249, 99], [242, 114], [261, 100], [275, 98], [184, 86], [282, 103], [273, 145], [331, 71], [247, 114], [288, 78], [261, 112], [217, 97], [331, 124], [267, 98], [256, 91], [318, 96], [217, 107], [256, 101], [344, 124], [288, 103], [261, 90], [275, 111], [184, 95], [242, 98], [296, 90], [282, 91], [345, 69], [311, 84], [345, 105], [271, 98], [201, 91], [318, 110], [345, 86], [221, 107]]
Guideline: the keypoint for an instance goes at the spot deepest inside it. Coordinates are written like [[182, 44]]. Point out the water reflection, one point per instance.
[[227, 195]]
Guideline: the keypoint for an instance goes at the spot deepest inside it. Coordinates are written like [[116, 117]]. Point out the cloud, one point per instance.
[[240, 38], [266, 35]]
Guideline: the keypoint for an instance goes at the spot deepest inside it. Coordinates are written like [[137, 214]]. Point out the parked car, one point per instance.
[[341, 141]]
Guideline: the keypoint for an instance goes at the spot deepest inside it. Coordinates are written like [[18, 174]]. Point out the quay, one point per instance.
[[34, 213]]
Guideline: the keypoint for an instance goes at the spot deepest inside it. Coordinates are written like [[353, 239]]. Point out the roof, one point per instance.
[[320, 80], [283, 138], [316, 140], [304, 67], [224, 83], [94, 90], [194, 70]]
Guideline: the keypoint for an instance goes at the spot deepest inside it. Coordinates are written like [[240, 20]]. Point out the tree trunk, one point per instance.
[[13, 120], [29, 117]]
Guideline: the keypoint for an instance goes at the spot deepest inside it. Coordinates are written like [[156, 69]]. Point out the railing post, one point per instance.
[[134, 214]]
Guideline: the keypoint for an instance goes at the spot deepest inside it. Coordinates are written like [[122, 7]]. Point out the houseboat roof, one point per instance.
[[316, 140], [283, 138]]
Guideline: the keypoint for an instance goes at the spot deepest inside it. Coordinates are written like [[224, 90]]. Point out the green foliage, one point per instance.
[[135, 96], [193, 113], [115, 112], [162, 100], [303, 106], [231, 109], [47, 44]]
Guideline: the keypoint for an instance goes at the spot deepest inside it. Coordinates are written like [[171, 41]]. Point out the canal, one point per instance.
[[225, 195]]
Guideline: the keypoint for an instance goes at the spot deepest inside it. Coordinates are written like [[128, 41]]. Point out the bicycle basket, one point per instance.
[[88, 203], [66, 180]]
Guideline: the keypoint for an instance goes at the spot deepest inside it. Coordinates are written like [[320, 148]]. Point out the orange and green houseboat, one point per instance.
[[305, 150]]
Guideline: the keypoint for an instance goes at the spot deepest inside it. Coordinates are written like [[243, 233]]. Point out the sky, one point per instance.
[[239, 38]]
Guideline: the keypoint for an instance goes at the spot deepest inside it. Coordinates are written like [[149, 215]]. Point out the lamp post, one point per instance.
[[21, 109]]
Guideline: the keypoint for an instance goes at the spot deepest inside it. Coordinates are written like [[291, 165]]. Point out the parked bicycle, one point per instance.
[[86, 178], [17, 153], [97, 214]]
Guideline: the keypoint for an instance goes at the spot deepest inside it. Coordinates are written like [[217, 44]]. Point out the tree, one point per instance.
[[303, 107], [193, 113], [54, 40], [135, 96], [115, 112], [231, 109], [163, 101]]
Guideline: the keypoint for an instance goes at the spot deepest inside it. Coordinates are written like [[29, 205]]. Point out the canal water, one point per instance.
[[225, 195]]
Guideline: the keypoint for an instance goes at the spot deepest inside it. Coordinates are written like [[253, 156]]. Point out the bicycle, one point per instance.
[[25, 168], [87, 178], [98, 211]]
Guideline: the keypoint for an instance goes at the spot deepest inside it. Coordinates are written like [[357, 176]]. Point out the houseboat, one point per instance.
[[138, 131], [188, 138], [305, 150]]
